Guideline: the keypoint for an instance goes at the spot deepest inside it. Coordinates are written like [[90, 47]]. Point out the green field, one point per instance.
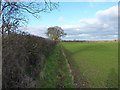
[[94, 64]]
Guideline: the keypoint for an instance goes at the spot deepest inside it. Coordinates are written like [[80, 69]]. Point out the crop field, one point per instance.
[[94, 64]]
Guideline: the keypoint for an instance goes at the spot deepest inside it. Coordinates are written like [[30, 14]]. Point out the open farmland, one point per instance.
[[94, 64]]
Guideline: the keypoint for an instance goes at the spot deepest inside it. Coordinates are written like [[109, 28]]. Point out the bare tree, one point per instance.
[[55, 33], [15, 14]]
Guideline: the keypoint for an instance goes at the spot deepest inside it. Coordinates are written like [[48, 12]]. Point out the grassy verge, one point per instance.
[[95, 64], [56, 73]]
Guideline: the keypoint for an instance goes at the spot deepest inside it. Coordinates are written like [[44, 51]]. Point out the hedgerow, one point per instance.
[[23, 57]]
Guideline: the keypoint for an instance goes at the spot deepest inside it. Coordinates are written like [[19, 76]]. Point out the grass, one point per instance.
[[95, 64], [56, 74]]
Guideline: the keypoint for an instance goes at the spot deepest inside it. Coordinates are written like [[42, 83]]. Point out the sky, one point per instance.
[[80, 20]]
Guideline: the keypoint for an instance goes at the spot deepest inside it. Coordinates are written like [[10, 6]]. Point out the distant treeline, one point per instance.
[[87, 41]]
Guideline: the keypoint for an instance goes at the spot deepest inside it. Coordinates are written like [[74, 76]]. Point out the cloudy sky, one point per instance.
[[80, 20]]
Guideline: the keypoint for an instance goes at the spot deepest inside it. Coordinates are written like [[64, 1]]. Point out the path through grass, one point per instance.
[[56, 73]]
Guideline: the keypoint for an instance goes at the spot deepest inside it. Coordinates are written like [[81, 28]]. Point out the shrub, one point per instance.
[[23, 59]]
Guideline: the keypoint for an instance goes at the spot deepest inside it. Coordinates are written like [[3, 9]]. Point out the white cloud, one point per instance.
[[102, 27], [84, 35], [109, 16], [37, 30], [113, 11], [90, 21]]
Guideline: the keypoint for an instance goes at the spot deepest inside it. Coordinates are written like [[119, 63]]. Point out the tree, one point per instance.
[[55, 33], [14, 14]]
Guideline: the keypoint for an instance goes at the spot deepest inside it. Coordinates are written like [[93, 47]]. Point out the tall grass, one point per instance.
[[56, 74]]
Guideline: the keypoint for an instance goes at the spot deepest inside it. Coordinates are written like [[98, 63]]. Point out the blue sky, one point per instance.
[[73, 16]]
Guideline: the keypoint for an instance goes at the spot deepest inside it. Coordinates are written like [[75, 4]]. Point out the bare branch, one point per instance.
[[14, 13]]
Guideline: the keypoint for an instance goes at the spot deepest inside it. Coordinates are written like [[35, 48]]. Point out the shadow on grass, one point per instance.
[[79, 80], [112, 81]]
